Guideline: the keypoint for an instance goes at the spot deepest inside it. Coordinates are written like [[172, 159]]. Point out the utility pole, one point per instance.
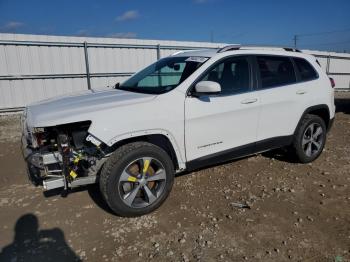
[[295, 38], [211, 36]]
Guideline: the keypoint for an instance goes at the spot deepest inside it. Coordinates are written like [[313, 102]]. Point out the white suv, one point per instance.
[[186, 111]]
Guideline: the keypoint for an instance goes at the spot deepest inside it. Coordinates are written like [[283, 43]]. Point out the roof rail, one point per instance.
[[229, 48], [288, 49], [178, 52], [237, 47], [291, 49]]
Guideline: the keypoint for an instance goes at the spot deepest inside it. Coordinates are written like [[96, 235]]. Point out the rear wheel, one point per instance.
[[310, 138], [136, 179]]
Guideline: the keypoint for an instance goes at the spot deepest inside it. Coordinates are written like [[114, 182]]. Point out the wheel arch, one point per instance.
[[320, 110], [162, 139]]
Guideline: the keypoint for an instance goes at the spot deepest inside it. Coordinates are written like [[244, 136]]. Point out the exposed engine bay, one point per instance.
[[63, 156]]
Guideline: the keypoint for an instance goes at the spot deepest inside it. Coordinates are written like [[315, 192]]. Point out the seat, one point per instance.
[[286, 72]]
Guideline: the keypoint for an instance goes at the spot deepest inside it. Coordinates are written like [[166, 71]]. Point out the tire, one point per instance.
[[307, 145], [123, 174]]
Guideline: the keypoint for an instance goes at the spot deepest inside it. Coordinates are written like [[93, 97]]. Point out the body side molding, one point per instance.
[[238, 152]]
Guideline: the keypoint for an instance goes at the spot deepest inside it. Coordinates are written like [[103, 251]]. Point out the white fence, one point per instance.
[[336, 65], [34, 67]]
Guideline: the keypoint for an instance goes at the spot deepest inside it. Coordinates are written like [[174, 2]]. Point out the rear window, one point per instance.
[[306, 70], [276, 71]]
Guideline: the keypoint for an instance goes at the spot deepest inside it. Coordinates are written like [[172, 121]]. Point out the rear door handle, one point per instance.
[[301, 92], [249, 101]]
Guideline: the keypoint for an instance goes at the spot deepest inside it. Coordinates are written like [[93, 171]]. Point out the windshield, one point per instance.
[[163, 76]]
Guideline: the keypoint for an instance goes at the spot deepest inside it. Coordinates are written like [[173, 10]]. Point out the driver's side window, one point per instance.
[[232, 74]]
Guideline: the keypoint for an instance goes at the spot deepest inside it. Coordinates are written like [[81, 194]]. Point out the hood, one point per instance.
[[80, 107]]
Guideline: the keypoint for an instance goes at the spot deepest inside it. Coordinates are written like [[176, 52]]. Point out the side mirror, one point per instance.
[[207, 87], [116, 86]]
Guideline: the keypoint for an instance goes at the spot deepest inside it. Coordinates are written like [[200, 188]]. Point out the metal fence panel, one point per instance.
[[39, 67], [342, 82], [36, 67], [126, 60], [340, 66]]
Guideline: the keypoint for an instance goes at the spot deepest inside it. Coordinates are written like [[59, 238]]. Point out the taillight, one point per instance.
[[332, 82]]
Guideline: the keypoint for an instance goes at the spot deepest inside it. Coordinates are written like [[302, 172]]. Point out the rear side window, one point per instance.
[[306, 70], [275, 71]]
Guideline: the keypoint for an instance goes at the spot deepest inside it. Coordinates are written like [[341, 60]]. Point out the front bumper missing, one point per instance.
[[53, 183], [33, 172], [45, 169]]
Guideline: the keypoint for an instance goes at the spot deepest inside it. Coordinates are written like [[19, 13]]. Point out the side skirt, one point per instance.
[[239, 152]]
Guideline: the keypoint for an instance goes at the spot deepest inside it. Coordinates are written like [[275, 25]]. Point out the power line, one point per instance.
[[324, 33], [334, 43], [297, 37]]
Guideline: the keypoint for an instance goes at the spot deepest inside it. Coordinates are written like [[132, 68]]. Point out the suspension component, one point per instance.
[[63, 145]]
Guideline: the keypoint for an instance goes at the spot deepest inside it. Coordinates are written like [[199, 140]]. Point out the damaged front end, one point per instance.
[[63, 156]]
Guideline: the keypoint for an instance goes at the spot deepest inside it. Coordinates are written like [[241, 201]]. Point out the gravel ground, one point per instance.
[[297, 212]]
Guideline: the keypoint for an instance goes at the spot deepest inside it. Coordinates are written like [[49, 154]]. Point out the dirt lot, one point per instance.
[[298, 212]]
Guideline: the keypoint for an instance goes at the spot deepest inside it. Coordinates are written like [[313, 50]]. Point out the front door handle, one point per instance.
[[249, 101], [301, 92]]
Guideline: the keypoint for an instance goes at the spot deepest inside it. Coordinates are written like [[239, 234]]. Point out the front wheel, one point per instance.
[[136, 179], [310, 138]]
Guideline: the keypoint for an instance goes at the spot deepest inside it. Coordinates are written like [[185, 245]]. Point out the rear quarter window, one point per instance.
[[306, 71]]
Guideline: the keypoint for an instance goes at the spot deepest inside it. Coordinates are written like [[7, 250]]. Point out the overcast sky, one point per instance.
[[322, 25]]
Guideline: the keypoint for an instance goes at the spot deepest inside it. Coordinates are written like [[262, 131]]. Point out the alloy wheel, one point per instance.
[[142, 182], [313, 139]]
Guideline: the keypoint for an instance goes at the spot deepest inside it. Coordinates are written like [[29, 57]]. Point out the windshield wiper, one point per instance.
[[131, 89]]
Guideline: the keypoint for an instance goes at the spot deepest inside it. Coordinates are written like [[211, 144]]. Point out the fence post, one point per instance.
[[87, 65], [328, 64], [158, 51]]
